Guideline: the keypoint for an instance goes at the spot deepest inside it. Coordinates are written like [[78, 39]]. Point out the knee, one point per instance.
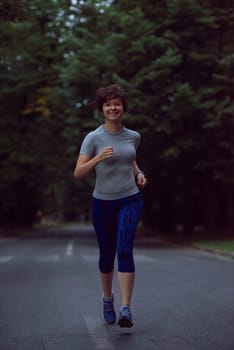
[[106, 265], [125, 260]]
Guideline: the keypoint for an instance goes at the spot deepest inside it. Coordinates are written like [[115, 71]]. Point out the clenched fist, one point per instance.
[[106, 152]]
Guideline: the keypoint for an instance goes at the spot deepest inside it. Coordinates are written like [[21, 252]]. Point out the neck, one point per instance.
[[113, 127]]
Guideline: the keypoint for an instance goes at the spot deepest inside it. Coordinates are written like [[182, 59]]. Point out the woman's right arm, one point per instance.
[[85, 163]]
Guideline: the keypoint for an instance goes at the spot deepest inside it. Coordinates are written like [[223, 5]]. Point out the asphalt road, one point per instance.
[[50, 296]]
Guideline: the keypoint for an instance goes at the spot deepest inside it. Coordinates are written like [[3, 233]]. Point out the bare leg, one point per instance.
[[126, 284], [106, 279]]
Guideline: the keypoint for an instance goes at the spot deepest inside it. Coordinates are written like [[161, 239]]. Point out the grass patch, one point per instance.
[[221, 245]]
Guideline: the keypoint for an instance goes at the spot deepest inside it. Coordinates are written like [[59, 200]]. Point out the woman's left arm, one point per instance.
[[139, 175]]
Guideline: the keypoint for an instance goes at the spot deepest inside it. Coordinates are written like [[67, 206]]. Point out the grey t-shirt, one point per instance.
[[114, 176]]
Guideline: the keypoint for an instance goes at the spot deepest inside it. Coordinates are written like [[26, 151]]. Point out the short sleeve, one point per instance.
[[87, 146], [137, 140]]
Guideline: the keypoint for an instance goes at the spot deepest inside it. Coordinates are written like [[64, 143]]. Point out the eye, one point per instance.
[[117, 104]]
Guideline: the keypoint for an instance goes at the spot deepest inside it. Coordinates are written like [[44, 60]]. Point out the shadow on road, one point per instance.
[[85, 232]]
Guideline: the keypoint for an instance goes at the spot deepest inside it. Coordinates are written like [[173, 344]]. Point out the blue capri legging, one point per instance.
[[115, 223]]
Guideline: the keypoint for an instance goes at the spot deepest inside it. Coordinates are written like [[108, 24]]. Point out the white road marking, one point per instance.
[[224, 257], [97, 334], [5, 259], [69, 249], [48, 258]]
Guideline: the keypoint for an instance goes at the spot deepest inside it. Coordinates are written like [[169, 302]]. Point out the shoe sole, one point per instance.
[[106, 320], [124, 322]]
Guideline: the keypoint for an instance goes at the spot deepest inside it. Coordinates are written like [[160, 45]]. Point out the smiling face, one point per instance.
[[113, 110]]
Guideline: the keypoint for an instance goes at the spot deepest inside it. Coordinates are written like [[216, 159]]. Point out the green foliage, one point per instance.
[[175, 59]]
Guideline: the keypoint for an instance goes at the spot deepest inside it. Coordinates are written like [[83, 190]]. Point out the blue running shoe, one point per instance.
[[109, 314], [125, 317]]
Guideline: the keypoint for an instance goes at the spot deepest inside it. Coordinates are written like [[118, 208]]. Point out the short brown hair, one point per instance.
[[109, 92]]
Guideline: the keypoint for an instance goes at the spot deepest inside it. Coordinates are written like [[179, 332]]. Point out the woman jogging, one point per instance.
[[117, 203]]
